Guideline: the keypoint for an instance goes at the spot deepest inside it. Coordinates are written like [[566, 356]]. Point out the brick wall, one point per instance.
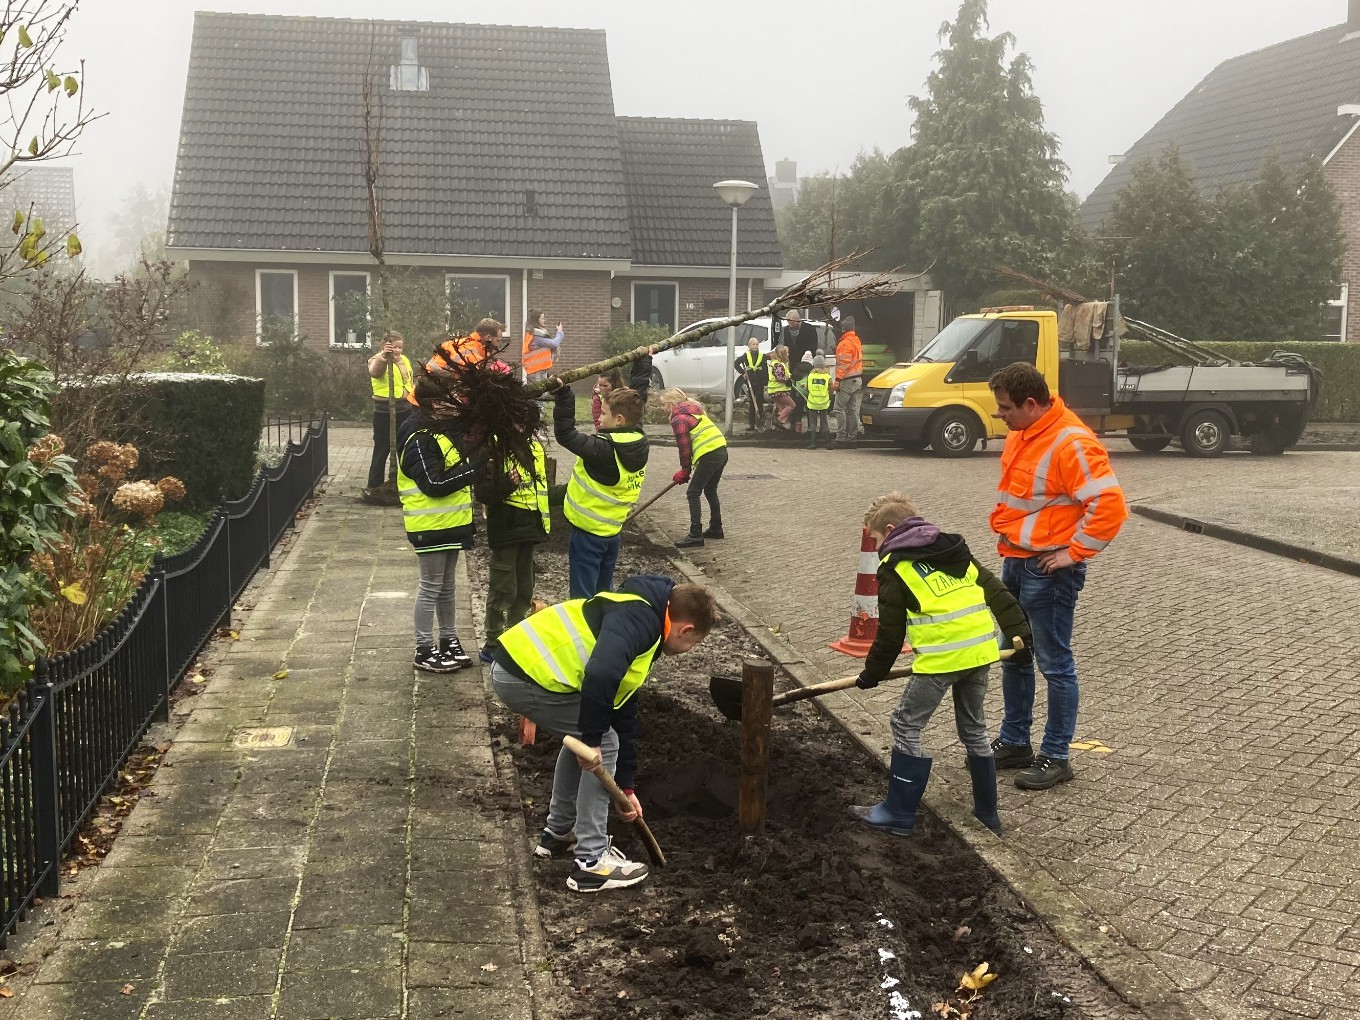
[[1344, 174], [580, 300]]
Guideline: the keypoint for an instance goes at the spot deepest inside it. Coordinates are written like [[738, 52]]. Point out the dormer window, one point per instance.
[[409, 76]]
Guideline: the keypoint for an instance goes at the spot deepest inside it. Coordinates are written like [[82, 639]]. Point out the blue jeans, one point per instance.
[[590, 563], [1050, 601]]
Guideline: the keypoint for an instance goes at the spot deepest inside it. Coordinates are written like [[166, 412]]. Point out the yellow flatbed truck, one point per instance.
[[940, 399]]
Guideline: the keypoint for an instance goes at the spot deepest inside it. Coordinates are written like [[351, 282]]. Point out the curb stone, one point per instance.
[[1127, 971], [1238, 536]]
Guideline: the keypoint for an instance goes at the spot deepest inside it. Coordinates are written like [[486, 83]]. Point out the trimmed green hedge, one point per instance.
[[1339, 364], [203, 429]]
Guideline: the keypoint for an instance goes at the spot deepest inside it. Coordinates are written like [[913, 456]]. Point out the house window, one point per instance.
[[276, 301], [657, 303], [349, 309], [473, 297], [1334, 316]]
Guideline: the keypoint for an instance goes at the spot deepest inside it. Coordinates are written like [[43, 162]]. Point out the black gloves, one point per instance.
[[865, 682], [1022, 657]]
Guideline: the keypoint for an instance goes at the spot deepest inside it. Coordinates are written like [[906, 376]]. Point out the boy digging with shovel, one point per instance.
[[933, 592], [574, 669]]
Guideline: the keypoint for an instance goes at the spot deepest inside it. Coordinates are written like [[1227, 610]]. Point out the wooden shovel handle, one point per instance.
[[619, 798], [846, 682], [644, 506]]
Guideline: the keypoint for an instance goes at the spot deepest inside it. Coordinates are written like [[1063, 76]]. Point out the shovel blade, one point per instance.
[[726, 694]]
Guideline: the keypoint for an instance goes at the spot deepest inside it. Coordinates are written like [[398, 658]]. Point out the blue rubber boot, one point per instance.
[[983, 773], [896, 813]]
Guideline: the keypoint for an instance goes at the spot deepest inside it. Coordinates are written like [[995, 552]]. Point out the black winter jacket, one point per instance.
[[423, 462], [950, 554], [624, 630], [596, 451]]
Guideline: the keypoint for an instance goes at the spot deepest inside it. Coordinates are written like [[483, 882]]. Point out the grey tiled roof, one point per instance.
[[1284, 96], [677, 218], [271, 142]]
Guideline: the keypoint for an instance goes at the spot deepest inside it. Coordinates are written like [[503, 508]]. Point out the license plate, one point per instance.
[[866, 419]]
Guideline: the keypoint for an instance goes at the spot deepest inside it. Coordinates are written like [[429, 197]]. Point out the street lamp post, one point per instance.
[[735, 194]]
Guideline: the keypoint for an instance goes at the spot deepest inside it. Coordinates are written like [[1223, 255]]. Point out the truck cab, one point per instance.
[[940, 399]]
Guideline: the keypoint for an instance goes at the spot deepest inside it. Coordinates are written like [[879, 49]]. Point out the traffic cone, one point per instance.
[[864, 611]]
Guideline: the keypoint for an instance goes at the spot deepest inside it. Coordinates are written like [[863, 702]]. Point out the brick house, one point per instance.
[[504, 170], [1300, 98]]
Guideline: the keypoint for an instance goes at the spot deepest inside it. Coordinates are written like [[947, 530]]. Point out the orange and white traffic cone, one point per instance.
[[864, 611]]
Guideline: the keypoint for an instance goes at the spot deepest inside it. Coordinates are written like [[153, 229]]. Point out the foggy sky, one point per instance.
[[823, 80]]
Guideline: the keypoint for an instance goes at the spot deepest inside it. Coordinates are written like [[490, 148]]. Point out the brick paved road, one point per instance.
[[1219, 835]]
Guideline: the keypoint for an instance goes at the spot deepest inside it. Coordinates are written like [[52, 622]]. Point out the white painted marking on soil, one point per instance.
[[901, 1008], [889, 982], [884, 955]]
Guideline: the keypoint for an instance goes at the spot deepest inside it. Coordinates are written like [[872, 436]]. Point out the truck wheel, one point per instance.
[[1205, 434], [655, 382], [954, 432], [1150, 444]]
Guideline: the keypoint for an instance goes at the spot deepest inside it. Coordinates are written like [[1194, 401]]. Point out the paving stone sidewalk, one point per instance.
[[1217, 836], [347, 873]]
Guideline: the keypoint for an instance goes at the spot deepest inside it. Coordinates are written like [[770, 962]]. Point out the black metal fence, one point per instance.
[[66, 735]]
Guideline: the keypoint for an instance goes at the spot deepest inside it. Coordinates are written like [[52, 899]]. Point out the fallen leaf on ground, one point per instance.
[[6, 993], [623, 994], [281, 675], [128, 989], [962, 932], [490, 967], [977, 979]]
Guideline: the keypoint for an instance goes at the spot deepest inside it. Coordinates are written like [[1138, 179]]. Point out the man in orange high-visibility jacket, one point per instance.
[[848, 384], [463, 350], [1058, 505]]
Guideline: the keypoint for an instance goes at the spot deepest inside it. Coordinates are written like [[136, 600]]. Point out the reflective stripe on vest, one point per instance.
[[954, 629], [704, 438], [775, 386], [532, 493], [553, 646], [539, 359], [598, 508], [398, 379], [819, 390], [430, 513]]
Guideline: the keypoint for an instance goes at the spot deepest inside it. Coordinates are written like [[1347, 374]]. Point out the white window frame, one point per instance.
[[368, 292], [259, 311], [632, 298], [503, 277], [1342, 302]]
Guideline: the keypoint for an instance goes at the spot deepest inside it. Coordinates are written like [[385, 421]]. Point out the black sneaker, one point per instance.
[[1045, 773], [1012, 756], [690, 542], [451, 650], [551, 846], [715, 531], [430, 661], [611, 871], [487, 655]]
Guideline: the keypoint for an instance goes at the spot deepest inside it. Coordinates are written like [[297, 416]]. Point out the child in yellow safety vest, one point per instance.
[[517, 519], [818, 383], [932, 592], [703, 455], [780, 387]]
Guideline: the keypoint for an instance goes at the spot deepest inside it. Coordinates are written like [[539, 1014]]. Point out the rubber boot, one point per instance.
[[983, 773], [896, 813]]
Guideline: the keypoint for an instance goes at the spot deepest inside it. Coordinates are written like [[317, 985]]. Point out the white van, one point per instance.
[[703, 366]]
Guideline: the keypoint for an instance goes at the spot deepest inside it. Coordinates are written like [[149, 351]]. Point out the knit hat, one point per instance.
[[807, 358], [819, 362]]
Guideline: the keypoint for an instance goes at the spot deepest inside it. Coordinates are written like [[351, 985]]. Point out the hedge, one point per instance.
[[203, 429], [1339, 364]]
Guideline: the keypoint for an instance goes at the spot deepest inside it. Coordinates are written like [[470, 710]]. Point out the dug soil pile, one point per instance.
[[819, 917]]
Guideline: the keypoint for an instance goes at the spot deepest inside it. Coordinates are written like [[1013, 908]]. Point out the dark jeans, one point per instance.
[[756, 387], [1050, 602], [511, 589], [590, 563], [819, 422], [922, 696], [704, 478], [377, 467]]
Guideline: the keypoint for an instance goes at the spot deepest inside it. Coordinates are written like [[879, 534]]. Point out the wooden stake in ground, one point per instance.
[[757, 696]]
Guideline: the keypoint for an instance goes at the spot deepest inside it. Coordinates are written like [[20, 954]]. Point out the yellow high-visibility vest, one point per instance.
[[429, 513], [601, 509], [399, 380], [954, 629], [532, 493]]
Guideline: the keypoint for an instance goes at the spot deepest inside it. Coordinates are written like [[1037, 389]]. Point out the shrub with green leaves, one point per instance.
[[36, 483], [631, 336]]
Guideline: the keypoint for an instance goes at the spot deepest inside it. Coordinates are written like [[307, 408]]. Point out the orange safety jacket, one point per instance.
[[1057, 490], [849, 356], [464, 350], [538, 360]]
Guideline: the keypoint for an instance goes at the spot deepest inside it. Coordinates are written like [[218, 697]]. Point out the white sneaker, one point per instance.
[[611, 871]]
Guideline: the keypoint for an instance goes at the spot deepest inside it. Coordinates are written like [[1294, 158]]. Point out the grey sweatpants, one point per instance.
[[434, 597], [578, 800], [923, 695]]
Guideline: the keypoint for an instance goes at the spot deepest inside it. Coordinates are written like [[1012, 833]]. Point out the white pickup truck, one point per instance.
[[703, 366]]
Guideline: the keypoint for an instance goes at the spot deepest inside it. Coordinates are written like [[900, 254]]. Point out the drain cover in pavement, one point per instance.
[[264, 736]]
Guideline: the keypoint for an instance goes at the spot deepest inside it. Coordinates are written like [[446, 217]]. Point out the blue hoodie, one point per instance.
[[624, 630]]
